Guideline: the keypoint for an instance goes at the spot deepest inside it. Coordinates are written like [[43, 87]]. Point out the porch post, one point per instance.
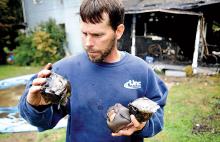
[[204, 32], [133, 48], [196, 48], [24, 10]]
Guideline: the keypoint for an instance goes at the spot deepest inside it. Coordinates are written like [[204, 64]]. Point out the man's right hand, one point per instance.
[[34, 96]]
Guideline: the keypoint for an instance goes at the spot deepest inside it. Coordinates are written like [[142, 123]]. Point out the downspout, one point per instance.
[[133, 48], [24, 16], [23, 7], [196, 47]]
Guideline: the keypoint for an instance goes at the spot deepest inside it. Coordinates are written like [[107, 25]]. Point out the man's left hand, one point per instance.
[[131, 128]]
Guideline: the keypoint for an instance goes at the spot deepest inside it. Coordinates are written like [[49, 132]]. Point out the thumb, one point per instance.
[[134, 121]]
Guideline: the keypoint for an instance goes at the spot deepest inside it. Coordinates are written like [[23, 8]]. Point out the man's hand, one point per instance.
[[131, 128], [34, 96]]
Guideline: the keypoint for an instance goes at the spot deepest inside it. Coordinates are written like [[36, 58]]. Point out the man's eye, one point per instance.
[[85, 34], [97, 35]]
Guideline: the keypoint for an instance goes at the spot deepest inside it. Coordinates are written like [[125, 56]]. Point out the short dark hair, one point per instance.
[[91, 11]]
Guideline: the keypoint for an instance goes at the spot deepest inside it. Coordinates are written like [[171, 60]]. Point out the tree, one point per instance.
[[11, 20]]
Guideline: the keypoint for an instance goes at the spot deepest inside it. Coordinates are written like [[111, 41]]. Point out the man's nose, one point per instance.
[[89, 41]]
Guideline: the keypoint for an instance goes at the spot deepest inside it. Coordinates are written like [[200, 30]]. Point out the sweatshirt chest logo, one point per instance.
[[132, 84]]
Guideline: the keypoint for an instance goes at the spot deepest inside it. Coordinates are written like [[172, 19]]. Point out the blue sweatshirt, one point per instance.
[[94, 88]]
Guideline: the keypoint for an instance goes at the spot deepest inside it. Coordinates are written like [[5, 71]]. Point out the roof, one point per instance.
[[141, 6]]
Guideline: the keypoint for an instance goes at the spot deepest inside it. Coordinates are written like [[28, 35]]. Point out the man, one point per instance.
[[99, 78]]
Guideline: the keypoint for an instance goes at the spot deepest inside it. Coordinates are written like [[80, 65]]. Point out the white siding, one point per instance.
[[63, 11]]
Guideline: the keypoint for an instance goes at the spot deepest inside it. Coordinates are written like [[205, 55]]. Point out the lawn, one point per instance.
[[7, 71], [192, 114]]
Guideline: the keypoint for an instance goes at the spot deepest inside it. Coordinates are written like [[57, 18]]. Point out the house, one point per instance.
[[172, 31], [65, 12]]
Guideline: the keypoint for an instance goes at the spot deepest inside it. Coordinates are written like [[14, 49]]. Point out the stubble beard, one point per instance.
[[104, 53]]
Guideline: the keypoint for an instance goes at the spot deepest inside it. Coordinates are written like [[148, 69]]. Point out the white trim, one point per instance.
[[196, 50], [133, 50]]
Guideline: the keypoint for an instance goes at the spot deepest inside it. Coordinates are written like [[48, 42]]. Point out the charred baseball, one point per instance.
[[118, 117], [143, 108], [56, 90]]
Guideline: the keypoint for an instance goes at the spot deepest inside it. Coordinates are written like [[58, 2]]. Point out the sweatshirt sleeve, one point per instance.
[[156, 91], [43, 117]]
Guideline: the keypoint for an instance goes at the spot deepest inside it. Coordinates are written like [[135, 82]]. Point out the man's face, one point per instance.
[[98, 39]]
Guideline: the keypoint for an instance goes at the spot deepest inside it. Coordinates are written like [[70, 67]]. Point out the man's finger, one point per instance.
[[39, 81], [120, 133], [34, 89], [137, 124], [44, 73], [48, 66], [134, 121], [125, 132]]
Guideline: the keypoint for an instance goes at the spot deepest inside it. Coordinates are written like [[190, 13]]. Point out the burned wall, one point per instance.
[[173, 26], [212, 23], [176, 33]]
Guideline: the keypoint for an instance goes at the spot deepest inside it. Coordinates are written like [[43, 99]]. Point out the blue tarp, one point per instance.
[[15, 81], [12, 122]]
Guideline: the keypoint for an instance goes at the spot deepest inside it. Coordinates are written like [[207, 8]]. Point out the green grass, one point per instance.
[[7, 71], [192, 102], [56, 135]]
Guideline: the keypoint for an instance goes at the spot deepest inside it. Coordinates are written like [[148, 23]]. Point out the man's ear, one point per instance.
[[119, 31]]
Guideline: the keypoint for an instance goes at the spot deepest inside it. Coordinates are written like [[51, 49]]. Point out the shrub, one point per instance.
[[42, 45], [25, 51], [189, 71]]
